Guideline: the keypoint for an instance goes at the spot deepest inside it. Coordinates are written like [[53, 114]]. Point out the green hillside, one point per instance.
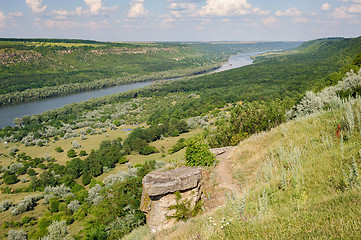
[[298, 171], [60, 66], [299, 181]]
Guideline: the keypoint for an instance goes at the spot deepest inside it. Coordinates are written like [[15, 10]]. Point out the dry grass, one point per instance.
[[314, 208]]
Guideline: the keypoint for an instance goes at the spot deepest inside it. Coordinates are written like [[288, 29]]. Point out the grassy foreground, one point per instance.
[[299, 180]]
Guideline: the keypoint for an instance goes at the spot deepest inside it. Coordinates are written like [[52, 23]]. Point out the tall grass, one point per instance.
[[308, 184]]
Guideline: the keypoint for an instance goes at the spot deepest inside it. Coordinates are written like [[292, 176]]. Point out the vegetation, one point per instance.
[[198, 154], [299, 181], [293, 173], [39, 68]]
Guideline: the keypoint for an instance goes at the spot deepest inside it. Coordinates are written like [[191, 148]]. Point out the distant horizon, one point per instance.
[[172, 41], [180, 20]]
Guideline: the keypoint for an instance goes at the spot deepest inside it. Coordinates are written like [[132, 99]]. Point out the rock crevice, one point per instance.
[[158, 193]]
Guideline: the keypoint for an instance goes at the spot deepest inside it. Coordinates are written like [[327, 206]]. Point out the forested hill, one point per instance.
[[80, 65]]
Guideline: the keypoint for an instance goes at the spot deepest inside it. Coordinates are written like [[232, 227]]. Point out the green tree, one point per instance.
[[71, 153], [198, 154]]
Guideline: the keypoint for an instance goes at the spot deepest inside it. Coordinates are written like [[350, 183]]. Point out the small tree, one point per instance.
[[58, 230], [75, 144], [86, 179], [59, 149], [31, 172], [17, 235], [71, 153], [82, 153], [198, 154]]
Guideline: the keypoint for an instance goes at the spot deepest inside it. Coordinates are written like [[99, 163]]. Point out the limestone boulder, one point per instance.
[[158, 193]]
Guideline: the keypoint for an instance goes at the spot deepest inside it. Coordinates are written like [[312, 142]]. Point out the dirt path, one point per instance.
[[222, 178]]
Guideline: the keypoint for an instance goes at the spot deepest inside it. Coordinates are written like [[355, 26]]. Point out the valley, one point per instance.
[[292, 119]]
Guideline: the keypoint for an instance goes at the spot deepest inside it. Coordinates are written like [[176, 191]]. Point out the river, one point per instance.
[[9, 113]]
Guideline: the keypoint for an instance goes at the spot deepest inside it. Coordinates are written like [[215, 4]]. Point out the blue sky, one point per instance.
[[181, 20]]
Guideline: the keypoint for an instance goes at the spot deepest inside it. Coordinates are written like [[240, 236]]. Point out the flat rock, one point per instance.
[[161, 182]]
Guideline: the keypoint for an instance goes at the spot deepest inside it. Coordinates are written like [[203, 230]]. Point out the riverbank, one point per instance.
[[10, 112]]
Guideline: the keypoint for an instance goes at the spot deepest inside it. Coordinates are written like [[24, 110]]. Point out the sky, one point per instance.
[[181, 20]]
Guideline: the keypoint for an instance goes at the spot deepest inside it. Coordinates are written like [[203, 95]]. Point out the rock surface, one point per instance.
[[220, 151], [158, 193]]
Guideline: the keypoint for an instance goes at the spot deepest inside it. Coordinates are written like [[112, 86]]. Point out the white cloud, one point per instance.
[[97, 25], [180, 9], [137, 9], [355, 8], [60, 24], [353, 1], [289, 12], [341, 13], [226, 8], [2, 20], [325, 7], [62, 14], [15, 14], [94, 6], [260, 12], [300, 20], [168, 23], [270, 21], [36, 6]]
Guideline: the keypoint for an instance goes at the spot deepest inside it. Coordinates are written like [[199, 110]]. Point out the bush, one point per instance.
[[59, 149], [146, 150], [10, 179], [71, 153], [73, 206], [75, 144], [25, 220], [58, 230], [31, 172], [5, 205], [27, 204], [54, 204], [82, 153], [86, 179], [17, 235], [178, 146], [198, 154]]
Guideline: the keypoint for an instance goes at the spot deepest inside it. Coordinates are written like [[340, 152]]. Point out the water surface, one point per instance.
[[10, 112]]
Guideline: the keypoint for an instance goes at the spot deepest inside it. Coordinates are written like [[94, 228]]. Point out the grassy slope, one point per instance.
[[314, 204]]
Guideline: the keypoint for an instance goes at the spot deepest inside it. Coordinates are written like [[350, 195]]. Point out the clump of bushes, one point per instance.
[[5, 205], [198, 154], [27, 204]]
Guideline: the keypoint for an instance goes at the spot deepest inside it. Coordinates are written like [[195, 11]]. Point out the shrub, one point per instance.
[[31, 172], [178, 146], [73, 206], [58, 230], [54, 204], [198, 154], [27, 204], [86, 179], [5, 205], [59, 149], [71, 153], [75, 144], [146, 150], [25, 220], [93, 195], [10, 179], [183, 209], [15, 167], [82, 153], [17, 235], [59, 191]]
